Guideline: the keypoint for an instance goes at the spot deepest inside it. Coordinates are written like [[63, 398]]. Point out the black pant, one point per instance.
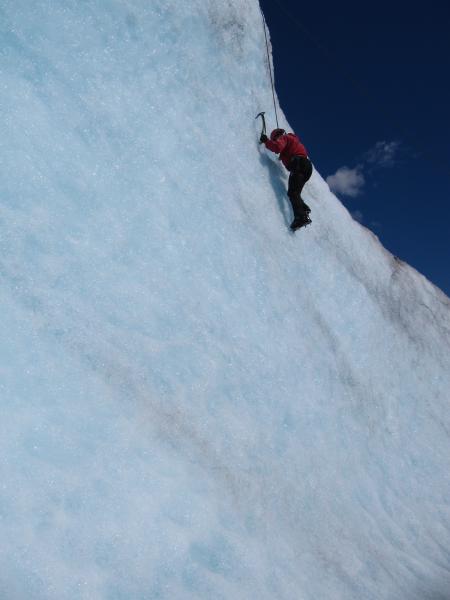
[[300, 168]]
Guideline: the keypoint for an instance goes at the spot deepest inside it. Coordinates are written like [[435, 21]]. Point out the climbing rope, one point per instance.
[[269, 65]]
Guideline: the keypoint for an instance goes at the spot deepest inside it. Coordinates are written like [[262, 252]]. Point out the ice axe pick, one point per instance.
[[261, 114]]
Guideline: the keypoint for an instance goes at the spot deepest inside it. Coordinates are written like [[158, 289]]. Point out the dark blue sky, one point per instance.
[[351, 74]]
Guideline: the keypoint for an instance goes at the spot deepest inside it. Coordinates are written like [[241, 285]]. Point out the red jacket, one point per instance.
[[287, 146]]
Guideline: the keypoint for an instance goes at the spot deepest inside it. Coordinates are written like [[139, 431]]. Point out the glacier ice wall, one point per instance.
[[194, 402]]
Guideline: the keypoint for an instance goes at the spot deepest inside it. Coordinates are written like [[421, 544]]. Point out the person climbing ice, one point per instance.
[[295, 158]]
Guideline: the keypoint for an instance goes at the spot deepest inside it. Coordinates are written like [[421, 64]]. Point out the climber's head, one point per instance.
[[276, 133]]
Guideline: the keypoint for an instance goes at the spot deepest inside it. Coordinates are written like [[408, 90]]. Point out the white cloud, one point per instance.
[[348, 182], [383, 154], [358, 216]]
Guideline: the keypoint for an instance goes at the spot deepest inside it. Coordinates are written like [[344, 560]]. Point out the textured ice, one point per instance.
[[196, 403]]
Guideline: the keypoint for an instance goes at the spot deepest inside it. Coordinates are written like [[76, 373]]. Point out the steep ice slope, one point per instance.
[[194, 402]]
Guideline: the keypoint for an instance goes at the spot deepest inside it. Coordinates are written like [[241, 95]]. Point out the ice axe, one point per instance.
[[261, 114]]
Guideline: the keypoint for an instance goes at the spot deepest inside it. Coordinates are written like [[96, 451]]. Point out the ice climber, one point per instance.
[[295, 158]]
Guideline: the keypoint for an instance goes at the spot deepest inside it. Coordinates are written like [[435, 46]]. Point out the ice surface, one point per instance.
[[196, 403]]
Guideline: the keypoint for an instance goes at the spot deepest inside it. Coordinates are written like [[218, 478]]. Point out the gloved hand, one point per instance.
[[263, 138]]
